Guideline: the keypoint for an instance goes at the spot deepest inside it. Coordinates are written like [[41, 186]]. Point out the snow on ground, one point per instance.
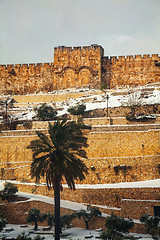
[[72, 233], [92, 102], [95, 99], [64, 203], [77, 206], [138, 184], [115, 100]]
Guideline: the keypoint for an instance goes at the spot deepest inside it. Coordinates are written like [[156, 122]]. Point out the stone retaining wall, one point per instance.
[[16, 213], [99, 121], [137, 127], [104, 196], [137, 151], [136, 208], [41, 98]]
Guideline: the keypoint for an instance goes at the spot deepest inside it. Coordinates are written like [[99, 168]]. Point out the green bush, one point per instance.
[[38, 237], [3, 222], [78, 109], [34, 215], [50, 219], [86, 215], [8, 192], [116, 227], [23, 236], [65, 220], [140, 118], [104, 86], [45, 112], [152, 225], [130, 117]]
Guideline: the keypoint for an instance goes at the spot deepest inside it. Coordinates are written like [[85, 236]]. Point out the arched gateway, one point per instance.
[[76, 68], [80, 67]]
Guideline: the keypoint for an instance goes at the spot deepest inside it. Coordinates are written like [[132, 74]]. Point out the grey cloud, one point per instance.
[[30, 29]]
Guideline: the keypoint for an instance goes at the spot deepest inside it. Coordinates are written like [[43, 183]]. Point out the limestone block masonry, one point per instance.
[[124, 202], [16, 213], [113, 156], [79, 67]]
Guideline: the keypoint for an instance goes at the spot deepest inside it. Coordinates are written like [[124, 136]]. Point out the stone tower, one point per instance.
[[77, 67], [80, 67]]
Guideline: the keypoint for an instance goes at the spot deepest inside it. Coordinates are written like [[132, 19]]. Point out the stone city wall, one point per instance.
[[123, 144], [26, 78], [133, 70], [80, 67], [112, 156], [129, 127], [115, 121]]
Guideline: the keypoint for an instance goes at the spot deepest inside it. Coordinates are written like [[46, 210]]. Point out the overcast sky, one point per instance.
[[30, 29]]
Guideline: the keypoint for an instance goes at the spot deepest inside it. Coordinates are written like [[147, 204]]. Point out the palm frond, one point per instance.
[[59, 154]]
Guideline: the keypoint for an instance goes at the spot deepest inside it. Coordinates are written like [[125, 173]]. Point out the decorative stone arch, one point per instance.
[[66, 68], [72, 77], [86, 67], [85, 76], [69, 77]]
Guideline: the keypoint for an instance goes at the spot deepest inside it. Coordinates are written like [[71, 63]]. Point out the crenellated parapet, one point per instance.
[[26, 78], [94, 47], [130, 57], [133, 70], [78, 67]]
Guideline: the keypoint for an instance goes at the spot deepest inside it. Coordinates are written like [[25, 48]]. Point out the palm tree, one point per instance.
[[57, 156]]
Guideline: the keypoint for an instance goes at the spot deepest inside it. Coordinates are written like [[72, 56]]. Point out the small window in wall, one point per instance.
[[157, 211]]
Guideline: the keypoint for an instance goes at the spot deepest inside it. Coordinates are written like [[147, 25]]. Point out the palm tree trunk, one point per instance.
[[57, 210]]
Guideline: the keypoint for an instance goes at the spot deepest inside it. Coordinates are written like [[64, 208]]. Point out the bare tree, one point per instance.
[[133, 100]]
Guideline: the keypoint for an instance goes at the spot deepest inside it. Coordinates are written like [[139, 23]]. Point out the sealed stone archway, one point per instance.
[[84, 78], [69, 77], [77, 67]]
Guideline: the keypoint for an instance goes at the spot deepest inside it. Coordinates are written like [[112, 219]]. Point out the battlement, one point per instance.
[[134, 57], [92, 47], [26, 65], [80, 66], [26, 78]]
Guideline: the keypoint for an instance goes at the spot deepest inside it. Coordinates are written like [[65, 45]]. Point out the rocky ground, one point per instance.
[[123, 111]]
